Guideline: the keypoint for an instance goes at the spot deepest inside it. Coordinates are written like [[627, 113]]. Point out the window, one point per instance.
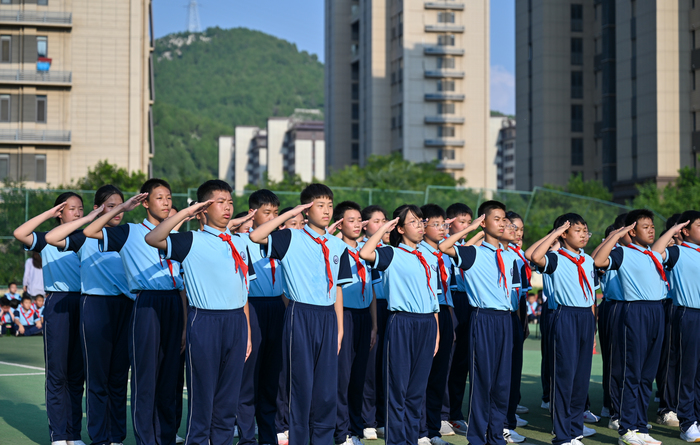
[[509, 182], [446, 40], [509, 158], [41, 109], [576, 51], [40, 168], [42, 2], [446, 85], [355, 91], [356, 131], [446, 17], [510, 169], [576, 151], [42, 46], [446, 132], [6, 49], [4, 167], [6, 2], [577, 85], [576, 18], [5, 108], [445, 62], [355, 111], [447, 155], [446, 108], [577, 118], [355, 152]]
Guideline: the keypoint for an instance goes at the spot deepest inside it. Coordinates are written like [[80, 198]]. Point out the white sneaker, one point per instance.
[[370, 433], [437, 441], [424, 441], [459, 426], [614, 424], [521, 422], [179, 439], [588, 432], [512, 437], [589, 417], [668, 418], [692, 435], [75, 442], [235, 431], [630, 438], [605, 412], [380, 432], [353, 440], [283, 438], [59, 442], [544, 405], [647, 439], [446, 429], [576, 441], [522, 409], [116, 443]]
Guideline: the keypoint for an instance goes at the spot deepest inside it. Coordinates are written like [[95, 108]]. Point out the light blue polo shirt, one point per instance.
[[144, 268], [406, 285], [11, 296], [610, 283], [525, 285], [262, 286], [485, 287], [211, 278], [40, 311], [100, 273], [377, 284], [7, 317], [566, 289], [457, 282], [683, 265], [444, 295], [547, 289], [638, 276], [304, 265], [353, 297], [26, 318], [61, 270]]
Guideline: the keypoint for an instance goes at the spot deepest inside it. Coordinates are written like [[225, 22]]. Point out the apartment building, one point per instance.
[[503, 137]]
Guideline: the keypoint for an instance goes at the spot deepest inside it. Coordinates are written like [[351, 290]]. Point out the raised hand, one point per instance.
[[134, 202], [333, 227]]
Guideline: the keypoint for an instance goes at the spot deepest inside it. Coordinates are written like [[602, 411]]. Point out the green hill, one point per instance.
[[207, 83]]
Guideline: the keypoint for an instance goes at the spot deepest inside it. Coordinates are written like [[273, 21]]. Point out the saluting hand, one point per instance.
[[333, 227], [96, 212], [134, 202], [55, 212]]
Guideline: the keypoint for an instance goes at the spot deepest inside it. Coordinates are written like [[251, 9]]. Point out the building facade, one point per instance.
[[76, 87], [503, 137], [409, 77]]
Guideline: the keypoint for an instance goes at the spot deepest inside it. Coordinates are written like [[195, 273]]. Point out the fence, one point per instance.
[[538, 208]]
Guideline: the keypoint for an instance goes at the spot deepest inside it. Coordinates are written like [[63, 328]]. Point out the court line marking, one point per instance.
[[14, 375], [21, 366]]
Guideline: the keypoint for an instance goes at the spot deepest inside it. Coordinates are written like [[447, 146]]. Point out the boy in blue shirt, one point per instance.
[[644, 286], [7, 318], [217, 272], [12, 293], [27, 322], [157, 328], [490, 274], [359, 328], [315, 265]]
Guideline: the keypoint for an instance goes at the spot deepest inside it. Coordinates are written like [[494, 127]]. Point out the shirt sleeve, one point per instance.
[[113, 238], [383, 258], [74, 242], [38, 243], [16, 314], [672, 255], [178, 246], [516, 275], [616, 257], [466, 256], [344, 269], [376, 278], [278, 243], [551, 261], [251, 270], [524, 283]]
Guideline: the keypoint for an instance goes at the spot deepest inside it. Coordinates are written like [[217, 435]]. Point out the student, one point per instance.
[[12, 293], [461, 216], [217, 272], [373, 396], [315, 265], [38, 306], [246, 226], [643, 282], [62, 351], [434, 234], [359, 329], [489, 277], [7, 317], [296, 222], [156, 326], [533, 309], [683, 263], [261, 372], [33, 279], [105, 308], [27, 322], [412, 335], [573, 281]]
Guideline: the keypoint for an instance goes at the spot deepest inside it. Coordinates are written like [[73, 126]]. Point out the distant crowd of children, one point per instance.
[[20, 314]]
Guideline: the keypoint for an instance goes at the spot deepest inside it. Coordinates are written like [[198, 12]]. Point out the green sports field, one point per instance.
[[23, 412]]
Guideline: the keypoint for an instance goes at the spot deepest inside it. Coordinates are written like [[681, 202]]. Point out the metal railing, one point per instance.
[[58, 136], [444, 73], [36, 76], [57, 18], [443, 142]]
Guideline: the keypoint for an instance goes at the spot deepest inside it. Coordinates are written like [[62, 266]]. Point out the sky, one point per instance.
[[301, 22]]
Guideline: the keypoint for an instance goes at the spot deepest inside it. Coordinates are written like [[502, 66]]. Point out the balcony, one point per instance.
[[442, 142], [43, 78], [34, 18], [450, 165], [443, 50], [35, 137], [444, 28], [444, 5], [444, 96], [442, 74], [444, 119]]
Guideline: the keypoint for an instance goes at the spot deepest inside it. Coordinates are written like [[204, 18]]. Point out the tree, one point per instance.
[[106, 173], [676, 197]]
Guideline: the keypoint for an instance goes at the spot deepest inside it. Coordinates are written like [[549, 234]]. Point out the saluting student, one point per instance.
[[62, 351]]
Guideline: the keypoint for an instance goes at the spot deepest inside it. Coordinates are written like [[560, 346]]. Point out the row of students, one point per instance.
[[25, 320]]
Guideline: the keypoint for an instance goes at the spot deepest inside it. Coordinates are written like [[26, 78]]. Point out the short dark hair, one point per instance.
[[315, 191], [176, 209], [486, 207], [262, 197], [213, 185], [637, 214], [63, 197], [26, 297], [673, 220], [458, 209], [432, 211], [370, 210], [39, 296], [572, 218], [105, 192], [609, 230], [689, 215], [240, 215], [510, 215], [4, 301], [286, 209], [620, 221], [11, 283], [154, 183], [340, 209], [401, 213]]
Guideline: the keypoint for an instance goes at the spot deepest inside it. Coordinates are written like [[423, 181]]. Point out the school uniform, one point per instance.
[[683, 263], [10, 296], [547, 361], [217, 270], [489, 274], [261, 372], [39, 311], [7, 321], [313, 265], [643, 283], [663, 391], [155, 330], [574, 282], [28, 319], [105, 309], [354, 349], [62, 351], [410, 283], [437, 379]]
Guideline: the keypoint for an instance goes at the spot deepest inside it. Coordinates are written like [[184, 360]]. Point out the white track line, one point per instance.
[[15, 375], [21, 366]]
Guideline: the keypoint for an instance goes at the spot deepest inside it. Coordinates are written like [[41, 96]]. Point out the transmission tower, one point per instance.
[[193, 24]]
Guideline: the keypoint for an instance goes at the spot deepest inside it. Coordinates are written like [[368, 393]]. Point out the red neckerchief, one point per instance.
[[501, 269], [581, 273], [532, 309], [361, 271], [237, 259], [528, 270], [31, 314], [2, 317], [657, 264], [168, 262], [423, 263], [443, 272], [326, 256]]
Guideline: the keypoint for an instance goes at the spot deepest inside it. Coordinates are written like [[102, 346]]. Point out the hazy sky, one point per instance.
[[301, 22]]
